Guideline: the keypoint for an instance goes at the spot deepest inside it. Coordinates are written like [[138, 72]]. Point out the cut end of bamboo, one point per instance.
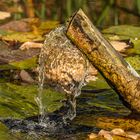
[[68, 23]]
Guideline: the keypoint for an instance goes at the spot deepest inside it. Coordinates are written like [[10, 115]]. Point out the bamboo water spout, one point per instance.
[[118, 73]]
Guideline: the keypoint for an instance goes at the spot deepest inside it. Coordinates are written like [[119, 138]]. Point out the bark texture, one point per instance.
[[118, 73]]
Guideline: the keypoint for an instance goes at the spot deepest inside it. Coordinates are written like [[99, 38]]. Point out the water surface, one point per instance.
[[94, 105]]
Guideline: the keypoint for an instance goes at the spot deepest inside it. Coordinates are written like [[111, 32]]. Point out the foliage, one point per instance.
[[109, 12]]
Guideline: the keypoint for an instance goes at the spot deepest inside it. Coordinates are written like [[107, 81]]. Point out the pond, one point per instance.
[[98, 107]]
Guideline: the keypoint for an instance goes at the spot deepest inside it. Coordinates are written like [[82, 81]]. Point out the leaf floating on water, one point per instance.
[[29, 45], [36, 31], [17, 25], [25, 64], [119, 46], [123, 31], [4, 15], [22, 37], [49, 25], [115, 134]]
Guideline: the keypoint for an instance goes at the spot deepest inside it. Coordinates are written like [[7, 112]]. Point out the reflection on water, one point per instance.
[[17, 103]]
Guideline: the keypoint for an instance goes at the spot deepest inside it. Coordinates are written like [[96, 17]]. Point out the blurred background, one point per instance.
[[102, 12]]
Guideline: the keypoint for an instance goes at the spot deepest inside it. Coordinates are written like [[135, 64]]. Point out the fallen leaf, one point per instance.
[[123, 32], [4, 15], [29, 45], [23, 25], [119, 45]]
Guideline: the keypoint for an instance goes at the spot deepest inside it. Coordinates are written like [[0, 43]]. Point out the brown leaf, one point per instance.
[[4, 15], [16, 26], [119, 45], [29, 45]]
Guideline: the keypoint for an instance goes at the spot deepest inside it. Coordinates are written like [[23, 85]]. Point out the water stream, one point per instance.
[[41, 77], [63, 67]]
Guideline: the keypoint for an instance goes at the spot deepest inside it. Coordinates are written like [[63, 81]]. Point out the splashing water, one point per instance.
[[63, 67], [41, 78]]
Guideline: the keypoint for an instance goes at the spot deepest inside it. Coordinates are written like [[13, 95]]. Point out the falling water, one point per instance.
[[41, 77], [63, 67]]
